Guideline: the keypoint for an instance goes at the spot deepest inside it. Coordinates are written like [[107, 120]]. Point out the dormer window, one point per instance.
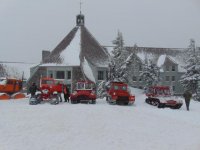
[[173, 68], [167, 68]]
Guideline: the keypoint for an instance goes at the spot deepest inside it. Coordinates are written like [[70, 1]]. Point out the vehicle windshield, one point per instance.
[[49, 82], [82, 86], [116, 87], [160, 91], [88, 86], [3, 81]]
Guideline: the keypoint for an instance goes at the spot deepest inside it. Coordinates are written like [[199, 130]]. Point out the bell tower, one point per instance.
[[80, 19]]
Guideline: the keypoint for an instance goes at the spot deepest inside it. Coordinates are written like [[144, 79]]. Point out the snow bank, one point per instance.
[[100, 126]]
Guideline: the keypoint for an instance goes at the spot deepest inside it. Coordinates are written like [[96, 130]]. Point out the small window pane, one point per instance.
[[60, 75], [100, 75], [167, 78], [173, 68], [68, 75], [173, 78]]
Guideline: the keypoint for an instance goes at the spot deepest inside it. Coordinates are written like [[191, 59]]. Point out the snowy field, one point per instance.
[[98, 127]]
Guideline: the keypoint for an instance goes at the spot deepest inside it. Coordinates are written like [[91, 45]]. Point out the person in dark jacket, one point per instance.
[[187, 95], [32, 89], [66, 93]]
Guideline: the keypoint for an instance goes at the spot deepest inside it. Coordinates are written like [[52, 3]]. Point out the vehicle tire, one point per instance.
[[147, 101], [155, 102], [73, 101], [160, 105], [93, 101], [55, 100], [178, 106]]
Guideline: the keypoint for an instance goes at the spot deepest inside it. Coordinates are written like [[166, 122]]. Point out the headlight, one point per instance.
[[74, 93], [92, 93], [45, 91]]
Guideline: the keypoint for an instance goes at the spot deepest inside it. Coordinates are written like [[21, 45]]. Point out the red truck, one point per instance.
[[11, 88], [118, 93], [84, 92], [48, 92], [161, 97]]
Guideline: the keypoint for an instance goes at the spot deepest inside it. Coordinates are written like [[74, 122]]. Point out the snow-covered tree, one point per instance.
[[8, 71], [190, 79], [2, 71], [118, 64], [118, 45], [150, 73]]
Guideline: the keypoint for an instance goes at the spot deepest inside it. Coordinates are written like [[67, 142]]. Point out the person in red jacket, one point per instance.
[[59, 88]]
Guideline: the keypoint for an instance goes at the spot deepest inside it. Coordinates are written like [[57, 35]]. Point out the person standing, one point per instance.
[[187, 95], [66, 93], [32, 89], [59, 90]]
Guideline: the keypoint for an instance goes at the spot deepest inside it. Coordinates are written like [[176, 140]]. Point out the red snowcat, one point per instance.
[[161, 97], [84, 92], [118, 93], [48, 92], [10, 88]]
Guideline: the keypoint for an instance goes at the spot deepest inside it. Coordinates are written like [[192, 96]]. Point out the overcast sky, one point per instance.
[[29, 26]]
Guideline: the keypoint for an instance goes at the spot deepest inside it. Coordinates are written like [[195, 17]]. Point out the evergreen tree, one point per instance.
[[150, 73], [120, 67], [190, 79]]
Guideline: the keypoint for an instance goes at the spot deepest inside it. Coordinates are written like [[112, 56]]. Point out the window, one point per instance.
[[69, 75], [100, 75], [124, 88], [134, 78], [140, 68], [173, 78], [167, 68], [60, 75], [173, 88], [173, 68], [167, 78], [116, 87], [50, 73]]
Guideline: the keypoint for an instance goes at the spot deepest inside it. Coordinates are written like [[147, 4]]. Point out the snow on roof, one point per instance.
[[88, 70], [161, 60], [70, 55], [141, 56], [52, 65], [180, 63]]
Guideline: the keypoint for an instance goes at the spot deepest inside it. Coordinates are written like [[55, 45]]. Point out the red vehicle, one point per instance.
[[161, 97], [118, 93], [84, 92], [11, 88], [48, 92]]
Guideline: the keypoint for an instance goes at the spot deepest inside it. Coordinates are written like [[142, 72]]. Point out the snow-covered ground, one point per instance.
[[98, 127]]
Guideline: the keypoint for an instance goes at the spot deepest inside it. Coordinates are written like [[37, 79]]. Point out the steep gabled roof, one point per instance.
[[76, 46]]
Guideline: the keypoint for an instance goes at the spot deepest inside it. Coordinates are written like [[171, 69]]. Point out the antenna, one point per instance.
[[80, 6]]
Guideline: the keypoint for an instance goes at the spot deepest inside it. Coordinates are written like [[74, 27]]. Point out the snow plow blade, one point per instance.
[[4, 96], [18, 96]]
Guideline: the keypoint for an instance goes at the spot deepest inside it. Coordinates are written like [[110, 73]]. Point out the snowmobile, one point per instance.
[[118, 93], [48, 92], [161, 97], [84, 93]]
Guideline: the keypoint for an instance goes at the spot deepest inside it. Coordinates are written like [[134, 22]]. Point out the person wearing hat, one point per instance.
[[32, 89]]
